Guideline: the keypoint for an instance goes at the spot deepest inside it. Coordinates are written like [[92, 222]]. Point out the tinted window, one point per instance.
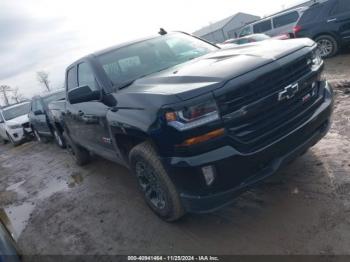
[[285, 19], [146, 57], [342, 6], [16, 111], [54, 97], [86, 76], [311, 14], [71, 79], [262, 26]]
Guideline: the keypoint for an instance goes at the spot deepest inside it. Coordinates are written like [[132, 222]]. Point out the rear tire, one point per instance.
[[80, 155], [158, 190], [327, 45]]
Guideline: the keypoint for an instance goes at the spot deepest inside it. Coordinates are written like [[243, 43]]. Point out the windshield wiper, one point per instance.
[[128, 83]]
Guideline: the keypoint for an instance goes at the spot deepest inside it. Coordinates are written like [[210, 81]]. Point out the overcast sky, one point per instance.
[[50, 34]]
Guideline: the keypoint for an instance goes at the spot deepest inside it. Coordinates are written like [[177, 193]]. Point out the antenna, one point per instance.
[[162, 31]]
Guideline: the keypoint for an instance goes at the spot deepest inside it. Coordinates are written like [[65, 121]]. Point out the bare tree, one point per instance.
[[17, 96], [4, 89], [43, 78]]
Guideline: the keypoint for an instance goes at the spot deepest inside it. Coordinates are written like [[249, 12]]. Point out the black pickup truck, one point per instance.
[[197, 125]]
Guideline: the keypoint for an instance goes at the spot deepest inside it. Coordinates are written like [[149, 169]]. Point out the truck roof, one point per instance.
[[14, 105]]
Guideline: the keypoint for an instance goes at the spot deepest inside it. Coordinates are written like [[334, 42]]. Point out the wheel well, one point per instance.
[[125, 143], [327, 34], [58, 127]]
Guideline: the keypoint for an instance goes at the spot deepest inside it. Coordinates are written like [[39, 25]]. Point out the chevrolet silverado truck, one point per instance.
[[196, 124]]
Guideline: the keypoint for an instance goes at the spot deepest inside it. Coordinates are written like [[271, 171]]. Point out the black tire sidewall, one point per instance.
[[173, 209], [81, 155], [164, 213]]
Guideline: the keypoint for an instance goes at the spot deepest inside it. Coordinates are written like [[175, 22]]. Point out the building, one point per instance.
[[224, 29]]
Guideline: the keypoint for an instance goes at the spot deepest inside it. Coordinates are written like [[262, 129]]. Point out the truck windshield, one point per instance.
[[16, 111], [131, 62]]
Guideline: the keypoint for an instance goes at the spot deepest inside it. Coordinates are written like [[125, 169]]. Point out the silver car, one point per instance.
[[279, 24]]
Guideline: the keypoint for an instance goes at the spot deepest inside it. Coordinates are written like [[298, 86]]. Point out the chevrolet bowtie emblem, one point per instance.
[[288, 92]]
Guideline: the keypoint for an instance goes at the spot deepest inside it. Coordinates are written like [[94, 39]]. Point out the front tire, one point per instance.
[[327, 45], [80, 155], [159, 191], [59, 139]]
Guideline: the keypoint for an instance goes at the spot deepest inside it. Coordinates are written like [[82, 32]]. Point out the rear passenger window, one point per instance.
[[71, 79], [262, 27], [86, 76], [343, 6], [285, 19]]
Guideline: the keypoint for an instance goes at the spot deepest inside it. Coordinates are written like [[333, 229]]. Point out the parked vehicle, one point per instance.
[[8, 249], [14, 123], [55, 110], [279, 24], [328, 24], [248, 39], [39, 118], [197, 125]]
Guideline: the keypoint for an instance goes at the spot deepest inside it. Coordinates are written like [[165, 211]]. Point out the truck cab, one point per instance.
[[195, 124]]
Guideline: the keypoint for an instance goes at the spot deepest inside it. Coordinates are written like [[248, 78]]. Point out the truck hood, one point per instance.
[[18, 120], [213, 70]]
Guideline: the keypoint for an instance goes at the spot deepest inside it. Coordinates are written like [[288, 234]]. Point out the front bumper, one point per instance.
[[236, 171], [20, 134]]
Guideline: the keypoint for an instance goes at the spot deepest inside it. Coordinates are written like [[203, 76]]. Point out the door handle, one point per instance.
[[331, 20], [90, 119]]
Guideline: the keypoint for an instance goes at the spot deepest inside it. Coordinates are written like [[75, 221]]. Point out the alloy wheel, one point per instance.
[[150, 185], [325, 46]]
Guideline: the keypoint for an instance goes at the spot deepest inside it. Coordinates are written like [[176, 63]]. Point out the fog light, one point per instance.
[[209, 174]]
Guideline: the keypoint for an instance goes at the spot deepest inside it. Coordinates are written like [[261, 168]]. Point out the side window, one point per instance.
[[86, 76], [71, 79], [33, 106], [342, 6], [245, 31], [39, 105], [262, 26], [285, 19]]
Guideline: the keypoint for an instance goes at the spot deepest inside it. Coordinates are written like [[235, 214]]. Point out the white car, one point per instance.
[[14, 123]]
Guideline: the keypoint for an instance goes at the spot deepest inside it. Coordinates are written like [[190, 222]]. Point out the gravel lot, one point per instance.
[[54, 207]]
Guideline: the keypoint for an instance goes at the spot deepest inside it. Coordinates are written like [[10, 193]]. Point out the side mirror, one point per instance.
[[83, 94], [38, 112], [1, 121]]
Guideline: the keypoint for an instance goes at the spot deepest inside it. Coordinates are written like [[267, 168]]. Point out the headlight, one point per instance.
[[14, 126], [193, 116], [316, 59]]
